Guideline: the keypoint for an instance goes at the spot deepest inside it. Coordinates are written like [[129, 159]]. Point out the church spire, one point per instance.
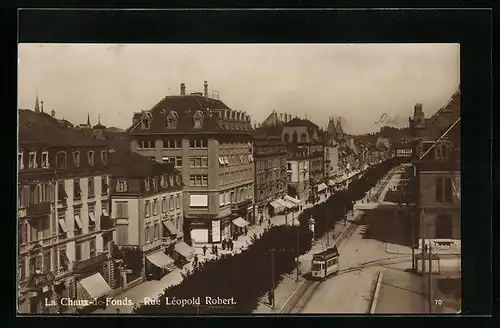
[[88, 120], [37, 105], [99, 120]]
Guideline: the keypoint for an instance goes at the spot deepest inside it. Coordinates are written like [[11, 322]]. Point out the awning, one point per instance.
[[160, 259], [240, 222], [285, 204], [91, 216], [95, 285], [105, 212], [226, 161], [170, 227], [63, 225], [277, 206], [292, 200], [184, 249], [331, 183], [221, 161], [322, 187]]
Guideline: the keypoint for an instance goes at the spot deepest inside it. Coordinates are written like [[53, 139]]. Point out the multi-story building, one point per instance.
[[331, 151], [270, 159], [437, 170], [305, 157], [147, 209], [212, 146], [401, 149], [65, 232]]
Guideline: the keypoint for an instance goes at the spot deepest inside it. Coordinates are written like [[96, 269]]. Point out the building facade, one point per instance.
[[331, 151], [270, 159], [212, 146], [305, 157], [437, 170], [65, 230], [147, 209]]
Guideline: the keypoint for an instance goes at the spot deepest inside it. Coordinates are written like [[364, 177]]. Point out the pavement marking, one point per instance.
[[376, 293]]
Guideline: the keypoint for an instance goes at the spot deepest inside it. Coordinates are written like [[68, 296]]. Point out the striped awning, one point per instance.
[[322, 187]]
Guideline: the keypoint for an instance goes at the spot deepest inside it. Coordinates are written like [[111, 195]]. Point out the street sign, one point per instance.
[[128, 271]]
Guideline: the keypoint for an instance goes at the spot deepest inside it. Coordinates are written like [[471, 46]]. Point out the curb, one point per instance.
[[376, 293], [395, 253], [291, 296]]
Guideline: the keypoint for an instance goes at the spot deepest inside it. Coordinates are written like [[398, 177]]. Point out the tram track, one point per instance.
[[301, 297]]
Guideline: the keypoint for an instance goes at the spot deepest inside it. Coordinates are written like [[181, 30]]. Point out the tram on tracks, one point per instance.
[[325, 263]]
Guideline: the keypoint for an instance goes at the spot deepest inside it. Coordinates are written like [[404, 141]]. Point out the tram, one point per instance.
[[325, 263]]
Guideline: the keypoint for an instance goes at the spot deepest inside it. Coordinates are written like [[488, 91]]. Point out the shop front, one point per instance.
[[183, 253], [210, 230], [38, 294], [156, 261]]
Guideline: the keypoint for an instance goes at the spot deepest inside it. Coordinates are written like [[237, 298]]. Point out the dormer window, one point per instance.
[[188, 110], [61, 160], [178, 179], [198, 119], [155, 186], [162, 181], [121, 185], [162, 111], [76, 158], [32, 160], [145, 123], [146, 184], [104, 157], [90, 155], [45, 159], [172, 119], [171, 180]]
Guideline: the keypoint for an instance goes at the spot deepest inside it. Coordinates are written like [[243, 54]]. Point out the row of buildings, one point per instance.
[[188, 171]]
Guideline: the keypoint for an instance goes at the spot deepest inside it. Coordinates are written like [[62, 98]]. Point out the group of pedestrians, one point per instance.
[[227, 244]]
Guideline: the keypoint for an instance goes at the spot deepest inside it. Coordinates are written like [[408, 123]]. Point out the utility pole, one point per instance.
[[424, 246], [413, 240], [297, 255], [286, 217], [272, 272], [327, 228], [430, 278]]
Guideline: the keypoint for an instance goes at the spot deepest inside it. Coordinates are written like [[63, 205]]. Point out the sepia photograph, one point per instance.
[[248, 179]]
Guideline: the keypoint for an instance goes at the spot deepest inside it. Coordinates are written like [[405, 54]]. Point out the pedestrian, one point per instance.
[[216, 250], [246, 230], [195, 260], [204, 250], [224, 244], [230, 245], [270, 297], [261, 219], [269, 222]]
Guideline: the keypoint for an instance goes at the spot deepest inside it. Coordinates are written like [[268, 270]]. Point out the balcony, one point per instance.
[[35, 210], [79, 266], [107, 223], [40, 280]]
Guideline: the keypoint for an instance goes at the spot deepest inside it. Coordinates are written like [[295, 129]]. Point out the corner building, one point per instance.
[[65, 231], [212, 146]]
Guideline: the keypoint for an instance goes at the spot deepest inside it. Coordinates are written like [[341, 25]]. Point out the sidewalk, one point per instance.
[[153, 289]]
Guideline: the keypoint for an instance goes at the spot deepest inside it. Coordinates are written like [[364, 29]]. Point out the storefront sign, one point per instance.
[[216, 231]]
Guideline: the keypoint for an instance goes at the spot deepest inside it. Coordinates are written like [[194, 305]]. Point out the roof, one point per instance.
[[137, 166], [272, 119], [444, 117], [301, 122], [185, 107], [43, 129]]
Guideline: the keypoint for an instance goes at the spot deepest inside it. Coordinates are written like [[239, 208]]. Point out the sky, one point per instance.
[[357, 82]]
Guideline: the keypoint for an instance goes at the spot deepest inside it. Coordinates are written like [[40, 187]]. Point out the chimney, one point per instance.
[[205, 89], [53, 113], [183, 89], [42, 106]]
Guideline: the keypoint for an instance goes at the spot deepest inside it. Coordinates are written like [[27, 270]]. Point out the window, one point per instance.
[[178, 161], [155, 207], [155, 185], [204, 161], [147, 209], [91, 186], [104, 185], [20, 163], [91, 218], [171, 203], [45, 160], [198, 161], [76, 158], [104, 157], [286, 137], [122, 210], [32, 160], [164, 205], [145, 123], [22, 269], [78, 222], [162, 181], [198, 143], [439, 189], [172, 119], [192, 180], [192, 161], [121, 185], [198, 119], [447, 190], [303, 137], [148, 234], [77, 192], [23, 233], [146, 184], [61, 160], [63, 259], [92, 247], [90, 155], [78, 252], [156, 231], [122, 234], [178, 201], [204, 180]]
